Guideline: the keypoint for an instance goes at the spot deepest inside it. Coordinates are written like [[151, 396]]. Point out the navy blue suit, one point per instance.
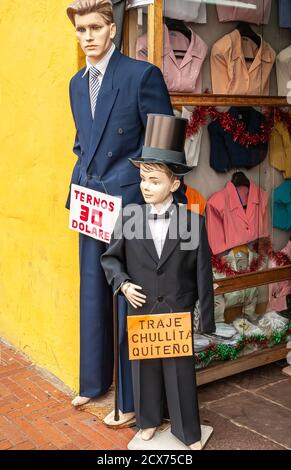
[[130, 90]]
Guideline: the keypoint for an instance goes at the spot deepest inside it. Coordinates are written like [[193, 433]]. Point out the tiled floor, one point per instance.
[[251, 410]]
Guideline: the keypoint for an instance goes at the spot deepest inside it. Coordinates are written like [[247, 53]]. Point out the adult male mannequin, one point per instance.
[[127, 91]]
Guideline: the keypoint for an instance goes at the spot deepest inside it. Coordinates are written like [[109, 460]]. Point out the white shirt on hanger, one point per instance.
[[186, 10], [193, 143], [283, 68]]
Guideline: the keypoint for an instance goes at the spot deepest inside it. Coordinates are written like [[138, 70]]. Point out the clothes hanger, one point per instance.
[[247, 32], [178, 25], [240, 179]]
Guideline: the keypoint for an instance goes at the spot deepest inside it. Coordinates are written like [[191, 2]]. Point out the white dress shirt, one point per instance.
[[193, 143], [283, 68], [102, 65], [159, 227]]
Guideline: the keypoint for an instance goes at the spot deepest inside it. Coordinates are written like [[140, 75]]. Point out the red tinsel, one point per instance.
[[236, 127], [280, 259], [198, 119]]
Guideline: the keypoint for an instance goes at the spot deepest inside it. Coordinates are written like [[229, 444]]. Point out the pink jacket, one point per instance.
[[229, 224], [278, 291], [181, 74]]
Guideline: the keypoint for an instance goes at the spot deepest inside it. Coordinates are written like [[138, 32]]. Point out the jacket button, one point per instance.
[[82, 152], [160, 272], [160, 299], [109, 154], [120, 130], [89, 177]]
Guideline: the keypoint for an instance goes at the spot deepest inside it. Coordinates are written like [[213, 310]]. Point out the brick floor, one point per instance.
[[36, 415], [251, 410]]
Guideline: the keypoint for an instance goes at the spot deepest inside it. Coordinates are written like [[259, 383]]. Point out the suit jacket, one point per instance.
[[130, 90], [225, 153], [172, 282]]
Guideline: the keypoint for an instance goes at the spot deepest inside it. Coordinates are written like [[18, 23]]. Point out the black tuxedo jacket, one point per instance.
[[173, 282]]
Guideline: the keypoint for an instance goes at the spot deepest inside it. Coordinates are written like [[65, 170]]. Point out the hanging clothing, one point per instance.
[[181, 74], [279, 290], [194, 198], [187, 10], [118, 13], [225, 153], [193, 143], [138, 3], [280, 149], [239, 258], [229, 224], [284, 13], [283, 69], [232, 74], [259, 15], [282, 206]]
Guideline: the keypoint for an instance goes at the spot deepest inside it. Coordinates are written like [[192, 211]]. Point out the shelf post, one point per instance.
[[155, 33]]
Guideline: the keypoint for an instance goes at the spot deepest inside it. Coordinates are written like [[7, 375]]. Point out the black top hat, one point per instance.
[[164, 143]]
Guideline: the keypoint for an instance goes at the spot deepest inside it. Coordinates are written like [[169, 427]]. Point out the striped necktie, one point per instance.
[[94, 86]]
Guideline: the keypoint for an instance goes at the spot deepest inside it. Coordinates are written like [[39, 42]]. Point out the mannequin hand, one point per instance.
[[135, 298]]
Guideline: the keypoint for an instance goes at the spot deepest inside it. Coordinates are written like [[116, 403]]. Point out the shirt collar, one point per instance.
[[196, 48], [102, 65], [163, 209], [234, 201], [263, 52]]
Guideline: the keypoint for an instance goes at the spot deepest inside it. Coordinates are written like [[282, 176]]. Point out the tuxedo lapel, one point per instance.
[[147, 240], [172, 237], [105, 101]]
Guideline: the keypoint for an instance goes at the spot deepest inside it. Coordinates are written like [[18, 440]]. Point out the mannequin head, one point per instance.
[[157, 183], [95, 27]]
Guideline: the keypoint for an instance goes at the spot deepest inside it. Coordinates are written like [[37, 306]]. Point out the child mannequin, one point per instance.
[[157, 276]]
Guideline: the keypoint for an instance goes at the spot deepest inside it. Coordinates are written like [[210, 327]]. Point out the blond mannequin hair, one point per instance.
[[84, 7]]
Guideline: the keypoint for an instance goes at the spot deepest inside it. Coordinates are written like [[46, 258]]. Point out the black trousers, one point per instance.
[[173, 378]]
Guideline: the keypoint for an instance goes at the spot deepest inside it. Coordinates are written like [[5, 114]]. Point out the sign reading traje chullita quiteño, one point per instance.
[[159, 335]]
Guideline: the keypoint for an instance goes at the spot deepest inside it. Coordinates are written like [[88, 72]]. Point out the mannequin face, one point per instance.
[[156, 185], [94, 35]]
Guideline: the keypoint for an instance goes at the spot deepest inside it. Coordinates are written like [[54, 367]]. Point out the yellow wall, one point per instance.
[[39, 280]]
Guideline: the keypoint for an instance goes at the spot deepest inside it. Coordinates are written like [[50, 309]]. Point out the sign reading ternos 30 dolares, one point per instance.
[[93, 213]]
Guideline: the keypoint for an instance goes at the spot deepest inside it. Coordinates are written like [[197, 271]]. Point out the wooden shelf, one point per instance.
[[182, 99], [243, 281], [249, 361], [255, 279]]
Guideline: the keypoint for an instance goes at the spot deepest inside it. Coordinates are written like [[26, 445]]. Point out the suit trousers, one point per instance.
[[96, 329], [175, 379]]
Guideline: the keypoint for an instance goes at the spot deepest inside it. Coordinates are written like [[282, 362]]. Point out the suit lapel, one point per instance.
[[84, 108], [105, 101]]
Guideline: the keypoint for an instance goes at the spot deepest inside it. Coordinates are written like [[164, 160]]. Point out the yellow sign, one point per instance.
[[160, 335]]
